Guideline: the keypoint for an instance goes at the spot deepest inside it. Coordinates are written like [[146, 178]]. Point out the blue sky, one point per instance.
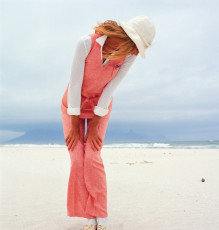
[[178, 81]]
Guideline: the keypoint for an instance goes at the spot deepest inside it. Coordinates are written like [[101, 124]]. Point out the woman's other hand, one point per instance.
[[92, 133], [74, 133]]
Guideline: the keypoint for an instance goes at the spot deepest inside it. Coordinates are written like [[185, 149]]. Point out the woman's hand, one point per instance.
[[92, 133], [74, 133]]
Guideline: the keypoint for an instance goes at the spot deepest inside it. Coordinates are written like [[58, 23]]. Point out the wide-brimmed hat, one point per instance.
[[141, 30]]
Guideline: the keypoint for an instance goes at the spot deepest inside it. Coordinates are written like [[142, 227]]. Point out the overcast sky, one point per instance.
[[177, 81]]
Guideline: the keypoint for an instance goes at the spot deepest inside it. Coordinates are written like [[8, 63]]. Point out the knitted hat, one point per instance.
[[141, 30]]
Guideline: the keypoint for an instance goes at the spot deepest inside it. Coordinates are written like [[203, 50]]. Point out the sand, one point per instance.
[[159, 189]]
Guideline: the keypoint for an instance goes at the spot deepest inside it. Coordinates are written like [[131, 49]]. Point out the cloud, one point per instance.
[[177, 80]]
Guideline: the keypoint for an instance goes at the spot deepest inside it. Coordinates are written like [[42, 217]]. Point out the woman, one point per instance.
[[101, 61]]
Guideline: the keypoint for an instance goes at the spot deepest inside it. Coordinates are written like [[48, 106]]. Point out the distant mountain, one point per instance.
[[54, 135], [120, 135], [117, 132], [39, 136]]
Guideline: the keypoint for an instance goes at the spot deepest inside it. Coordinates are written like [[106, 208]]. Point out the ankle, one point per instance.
[[103, 221], [92, 221]]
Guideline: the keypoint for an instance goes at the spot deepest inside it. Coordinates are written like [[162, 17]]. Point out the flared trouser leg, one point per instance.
[[94, 174], [87, 186]]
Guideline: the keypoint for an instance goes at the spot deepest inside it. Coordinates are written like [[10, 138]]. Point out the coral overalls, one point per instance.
[[87, 187]]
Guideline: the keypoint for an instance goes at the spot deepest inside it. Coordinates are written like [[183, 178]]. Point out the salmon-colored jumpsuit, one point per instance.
[[87, 187]]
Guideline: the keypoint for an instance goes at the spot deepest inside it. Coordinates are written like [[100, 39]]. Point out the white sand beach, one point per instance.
[[148, 189]]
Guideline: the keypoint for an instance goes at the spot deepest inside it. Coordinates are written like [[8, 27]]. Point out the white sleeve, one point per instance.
[[102, 107], [82, 49]]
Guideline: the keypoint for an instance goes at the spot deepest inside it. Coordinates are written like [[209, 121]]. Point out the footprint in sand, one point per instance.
[[143, 162], [130, 163]]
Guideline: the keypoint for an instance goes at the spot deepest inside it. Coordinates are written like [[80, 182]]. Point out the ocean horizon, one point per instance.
[[210, 144]]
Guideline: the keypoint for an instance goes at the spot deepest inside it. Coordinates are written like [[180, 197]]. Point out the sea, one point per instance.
[[209, 144]]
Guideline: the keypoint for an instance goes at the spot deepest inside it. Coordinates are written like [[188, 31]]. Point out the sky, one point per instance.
[[176, 82]]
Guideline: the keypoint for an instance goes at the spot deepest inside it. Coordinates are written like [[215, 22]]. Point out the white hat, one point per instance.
[[141, 30]]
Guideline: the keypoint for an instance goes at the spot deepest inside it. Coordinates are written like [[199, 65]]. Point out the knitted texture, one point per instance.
[[87, 187], [96, 77]]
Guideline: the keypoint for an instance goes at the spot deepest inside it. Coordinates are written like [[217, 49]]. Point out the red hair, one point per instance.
[[117, 42]]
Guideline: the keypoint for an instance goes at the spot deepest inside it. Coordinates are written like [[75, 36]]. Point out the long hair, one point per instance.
[[118, 44]]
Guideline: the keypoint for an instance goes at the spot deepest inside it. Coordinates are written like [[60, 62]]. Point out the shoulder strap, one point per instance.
[[93, 38]]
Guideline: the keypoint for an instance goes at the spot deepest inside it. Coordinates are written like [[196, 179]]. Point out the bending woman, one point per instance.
[[101, 60]]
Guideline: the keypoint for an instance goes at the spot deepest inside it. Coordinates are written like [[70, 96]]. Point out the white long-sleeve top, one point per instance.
[[82, 50]]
